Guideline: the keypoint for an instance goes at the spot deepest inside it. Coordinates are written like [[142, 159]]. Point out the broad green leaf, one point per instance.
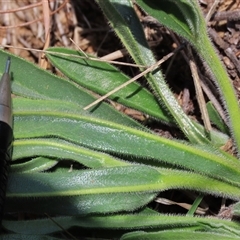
[[126, 24], [82, 192], [102, 77], [176, 234], [136, 221], [42, 120], [99, 191], [135, 178], [82, 205], [185, 18], [32, 82], [108, 78]]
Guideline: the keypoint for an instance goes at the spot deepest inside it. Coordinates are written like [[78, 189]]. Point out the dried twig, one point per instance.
[[199, 93], [212, 10], [33, 21]]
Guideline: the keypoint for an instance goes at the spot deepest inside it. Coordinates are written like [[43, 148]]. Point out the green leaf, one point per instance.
[[136, 221], [216, 119], [181, 16], [126, 24], [41, 119], [81, 205], [84, 71], [185, 18], [84, 182], [37, 164], [82, 192], [195, 205], [99, 191], [32, 82], [57, 149], [108, 78], [176, 234]]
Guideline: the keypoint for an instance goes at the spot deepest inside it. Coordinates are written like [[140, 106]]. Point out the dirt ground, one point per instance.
[[25, 24]]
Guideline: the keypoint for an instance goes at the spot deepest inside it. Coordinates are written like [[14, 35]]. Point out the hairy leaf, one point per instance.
[[126, 24], [41, 119], [101, 78], [185, 18]]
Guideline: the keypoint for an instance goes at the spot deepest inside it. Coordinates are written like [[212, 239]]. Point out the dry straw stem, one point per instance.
[[149, 69], [75, 56], [187, 206], [47, 27], [199, 92], [212, 10], [29, 25], [42, 3]]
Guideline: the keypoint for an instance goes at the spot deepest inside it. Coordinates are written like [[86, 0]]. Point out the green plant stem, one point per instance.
[[126, 24], [225, 87]]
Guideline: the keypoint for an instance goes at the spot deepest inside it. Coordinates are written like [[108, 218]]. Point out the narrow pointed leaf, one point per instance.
[[36, 164], [215, 118], [81, 205], [181, 16], [84, 72], [59, 149]]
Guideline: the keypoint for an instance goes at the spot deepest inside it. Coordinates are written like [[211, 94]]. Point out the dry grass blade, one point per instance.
[[47, 28], [199, 93], [75, 56], [187, 206], [212, 10]]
